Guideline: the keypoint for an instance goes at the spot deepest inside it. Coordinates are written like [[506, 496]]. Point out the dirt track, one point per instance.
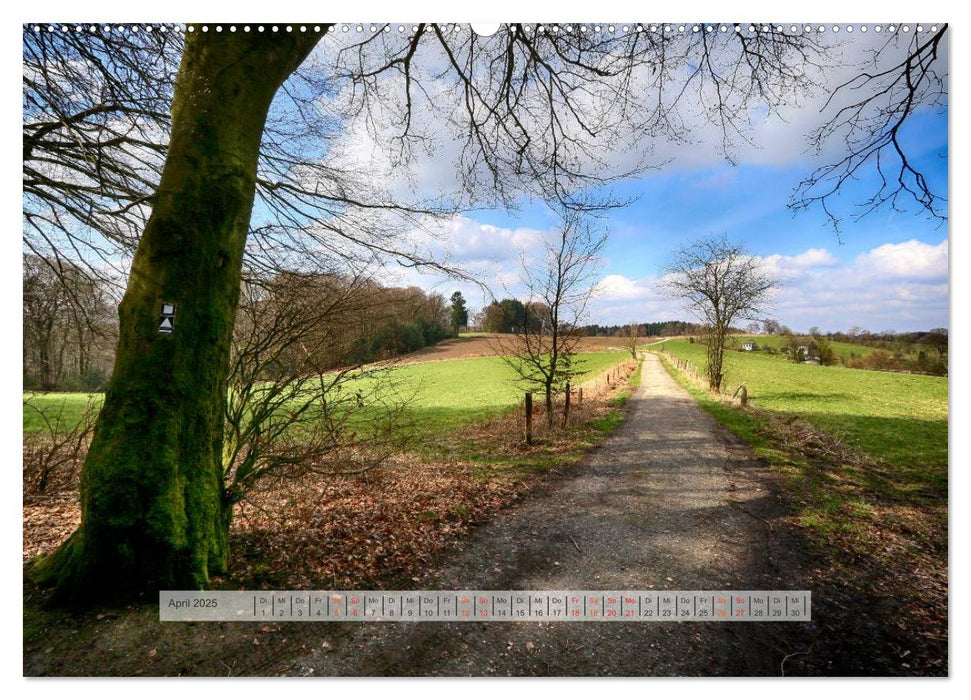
[[670, 502]]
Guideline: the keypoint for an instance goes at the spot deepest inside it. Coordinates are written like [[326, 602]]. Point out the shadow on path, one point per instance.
[[671, 502]]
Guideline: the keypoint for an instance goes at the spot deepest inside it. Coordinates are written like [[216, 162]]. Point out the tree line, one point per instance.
[[651, 329], [513, 316], [922, 352], [71, 322], [70, 327]]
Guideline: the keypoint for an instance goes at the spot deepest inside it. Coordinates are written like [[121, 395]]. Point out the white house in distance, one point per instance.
[[749, 346]]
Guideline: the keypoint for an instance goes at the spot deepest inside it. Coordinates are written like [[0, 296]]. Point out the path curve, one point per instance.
[[671, 501]]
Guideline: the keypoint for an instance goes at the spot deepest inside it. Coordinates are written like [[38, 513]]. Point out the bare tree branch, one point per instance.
[[907, 74]]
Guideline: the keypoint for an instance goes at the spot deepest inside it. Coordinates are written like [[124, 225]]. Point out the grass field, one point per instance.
[[842, 350], [898, 418], [445, 394], [450, 394], [486, 344], [63, 410]]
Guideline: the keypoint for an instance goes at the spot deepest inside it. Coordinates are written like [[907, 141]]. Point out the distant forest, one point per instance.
[[511, 315], [71, 321], [648, 330], [70, 324]]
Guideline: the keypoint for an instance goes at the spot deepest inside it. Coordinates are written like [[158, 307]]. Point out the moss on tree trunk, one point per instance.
[[153, 508]]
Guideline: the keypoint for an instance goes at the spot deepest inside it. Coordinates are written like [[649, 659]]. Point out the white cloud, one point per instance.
[[490, 255], [690, 138], [465, 240], [786, 268], [901, 286], [619, 299], [616, 287], [814, 257], [912, 260]]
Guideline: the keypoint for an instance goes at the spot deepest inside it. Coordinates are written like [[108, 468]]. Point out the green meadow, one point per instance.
[[440, 395], [843, 350], [898, 418]]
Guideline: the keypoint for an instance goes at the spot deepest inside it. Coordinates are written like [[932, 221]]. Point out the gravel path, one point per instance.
[[671, 501]]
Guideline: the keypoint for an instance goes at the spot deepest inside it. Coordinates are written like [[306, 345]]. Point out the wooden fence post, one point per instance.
[[742, 393], [580, 396], [529, 418]]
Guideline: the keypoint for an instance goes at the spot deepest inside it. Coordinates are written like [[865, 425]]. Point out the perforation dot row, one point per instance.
[[540, 28]]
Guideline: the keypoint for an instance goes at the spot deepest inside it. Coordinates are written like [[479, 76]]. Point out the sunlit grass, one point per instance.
[[898, 418], [439, 395]]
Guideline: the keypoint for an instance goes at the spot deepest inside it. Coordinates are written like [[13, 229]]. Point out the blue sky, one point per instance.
[[888, 270], [748, 202], [885, 271]]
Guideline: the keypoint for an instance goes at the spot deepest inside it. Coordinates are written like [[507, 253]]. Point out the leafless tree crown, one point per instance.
[[720, 282], [559, 288], [539, 111], [556, 112], [95, 124]]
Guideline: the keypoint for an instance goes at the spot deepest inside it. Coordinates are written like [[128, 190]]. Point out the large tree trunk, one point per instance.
[[153, 510]]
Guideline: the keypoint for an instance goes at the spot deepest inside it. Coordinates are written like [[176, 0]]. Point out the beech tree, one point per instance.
[[153, 503], [145, 151]]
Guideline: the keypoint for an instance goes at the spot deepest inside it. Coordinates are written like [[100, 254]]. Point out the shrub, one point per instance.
[[52, 456], [876, 360], [823, 351]]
